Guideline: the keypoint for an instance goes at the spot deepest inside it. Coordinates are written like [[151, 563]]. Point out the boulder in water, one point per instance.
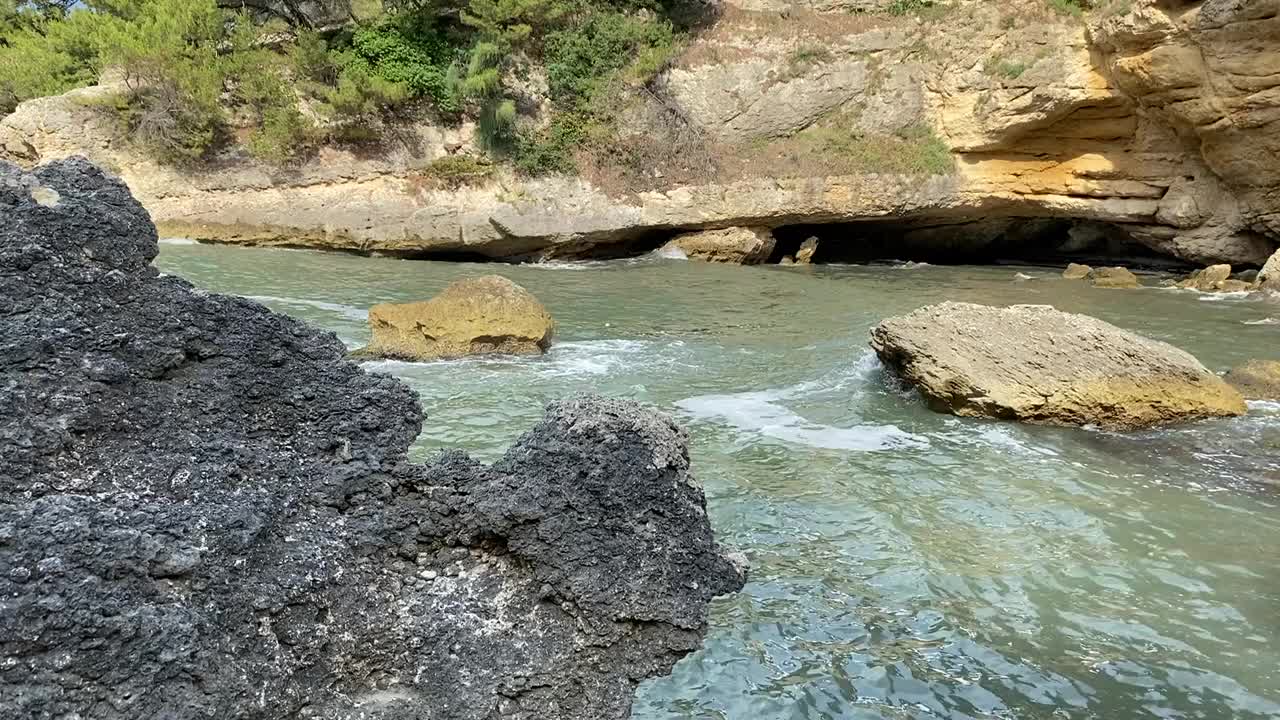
[[208, 511], [1257, 379], [1113, 277], [1215, 278], [1269, 276], [804, 256], [1035, 364], [1076, 271], [475, 316], [735, 245]]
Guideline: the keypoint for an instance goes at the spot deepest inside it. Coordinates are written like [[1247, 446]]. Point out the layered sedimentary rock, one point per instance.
[[1156, 119], [1035, 364], [474, 316], [207, 512]]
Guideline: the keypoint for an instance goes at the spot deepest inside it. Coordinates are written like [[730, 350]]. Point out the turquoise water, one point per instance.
[[905, 564]]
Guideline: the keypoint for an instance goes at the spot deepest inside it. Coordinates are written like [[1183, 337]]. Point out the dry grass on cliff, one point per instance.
[[740, 34]]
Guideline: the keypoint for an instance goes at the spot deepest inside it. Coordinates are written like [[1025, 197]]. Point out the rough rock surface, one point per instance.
[[1208, 279], [1256, 379], [736, 245], [1269, 277], [1076, 271], [1113, 277], [1035, 364], [206, 511], [808, 248], [475, 316]]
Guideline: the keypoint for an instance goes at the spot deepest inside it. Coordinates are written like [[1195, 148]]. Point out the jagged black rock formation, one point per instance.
[[206, 512]]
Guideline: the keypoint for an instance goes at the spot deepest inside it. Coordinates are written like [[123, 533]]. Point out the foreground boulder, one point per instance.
[[1035, 364], [735, 245], [475, 316], [1113, 277], [1256, 379], [208, 513]]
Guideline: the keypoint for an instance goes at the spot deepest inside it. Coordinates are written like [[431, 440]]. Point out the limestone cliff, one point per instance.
[[1153, 121]]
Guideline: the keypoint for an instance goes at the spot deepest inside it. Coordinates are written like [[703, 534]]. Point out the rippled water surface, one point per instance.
[[905, 564]]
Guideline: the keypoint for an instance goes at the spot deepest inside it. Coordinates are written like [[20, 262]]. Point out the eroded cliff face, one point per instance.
[[206, 511], [1151, 120]]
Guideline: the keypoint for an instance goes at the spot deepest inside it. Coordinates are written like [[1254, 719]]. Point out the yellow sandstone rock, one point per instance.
[[476, 316]]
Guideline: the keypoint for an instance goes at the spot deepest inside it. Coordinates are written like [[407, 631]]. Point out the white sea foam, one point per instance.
[[1022, 277], [1222, 296], [763, 413], [566, 359], [177, 241], [347, 311], [1266, 406], [1263, 321], [670, 252], [565, 265], [758, 413]]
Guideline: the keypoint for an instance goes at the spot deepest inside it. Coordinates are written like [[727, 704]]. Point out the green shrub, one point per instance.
[[285, 135], [39, 58], [455, 171], [581, 57], [906, 7], [168, 54], [1006, 68], [1074, 8], [590, 62], [804, 57], [409, 50]]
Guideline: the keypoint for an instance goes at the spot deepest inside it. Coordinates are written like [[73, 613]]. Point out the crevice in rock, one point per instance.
[[974, 241]]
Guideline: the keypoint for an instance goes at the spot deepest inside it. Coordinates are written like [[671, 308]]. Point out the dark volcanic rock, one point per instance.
[[206, 512]]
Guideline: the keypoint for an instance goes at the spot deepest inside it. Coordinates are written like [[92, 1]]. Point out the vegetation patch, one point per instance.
[[1006, 68], [456, 171], [1074, 8], [199, 79]]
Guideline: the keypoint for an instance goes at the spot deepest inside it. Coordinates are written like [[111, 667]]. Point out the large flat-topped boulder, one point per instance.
[[475, 316], [207, 511], [734, 245], [1035, 364]]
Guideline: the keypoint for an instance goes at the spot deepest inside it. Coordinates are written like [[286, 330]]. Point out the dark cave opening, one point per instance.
[[986, 241]]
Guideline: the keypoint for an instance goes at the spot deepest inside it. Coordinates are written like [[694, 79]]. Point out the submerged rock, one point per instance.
[[735, 245], [208, 512], [475, 316], [1036, 364], [1256, 379], [1076, 271], [1113, 277]]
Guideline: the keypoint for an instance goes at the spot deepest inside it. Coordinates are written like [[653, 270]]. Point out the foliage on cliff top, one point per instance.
[[198, 78]]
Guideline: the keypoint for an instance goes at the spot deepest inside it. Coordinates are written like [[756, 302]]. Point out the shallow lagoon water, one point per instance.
[[905, 564]]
